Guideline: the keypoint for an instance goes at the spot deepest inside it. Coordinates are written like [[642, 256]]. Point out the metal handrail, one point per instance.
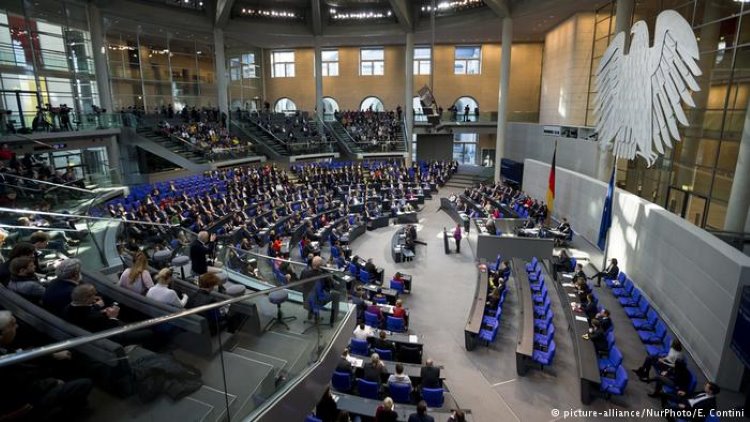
[[14, 358], [275, 258], [85, 217], [336, 136], [55, 185]]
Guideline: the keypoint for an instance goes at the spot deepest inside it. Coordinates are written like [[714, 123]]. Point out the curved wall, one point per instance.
[[691, 278]]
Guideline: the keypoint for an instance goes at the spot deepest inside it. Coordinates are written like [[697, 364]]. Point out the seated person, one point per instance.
[[385, 412], [430, 375], [344, 365], [604, 320], [29, 391], [399, 311], [57, 295], [598, 337], [611, 273], [87, 311], [399, 377], [589, 307], [703, 401], [677, 377], [383, 343], [162, 291], [137, 278], [660, 362], [563, 263], [374, 370], [371, 269], [217, 318], [23, 279], [375, 309], [20, 249], [362, 331]]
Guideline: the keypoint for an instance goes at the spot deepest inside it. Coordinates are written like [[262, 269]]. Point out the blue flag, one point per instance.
[[607, 212]]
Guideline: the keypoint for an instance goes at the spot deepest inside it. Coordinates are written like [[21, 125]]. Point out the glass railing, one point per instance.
[[482, 117], [32, 123], [152, 361]]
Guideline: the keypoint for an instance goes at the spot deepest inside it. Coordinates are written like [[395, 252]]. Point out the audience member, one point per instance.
[[23, 279], [701, 401], [660, 363], [362, 331], [382, 343], [137, 278], [399, 377], [611, 273], [162, 291], [430, 375], [421, 414], [374, 370], [58, 293], [326, 409], [217, 318], [385, 412]]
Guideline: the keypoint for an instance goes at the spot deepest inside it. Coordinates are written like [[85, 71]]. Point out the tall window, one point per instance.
[[330, 62], [243, 67], [371, 61], [468, 60], [282, 64], [422, 60]]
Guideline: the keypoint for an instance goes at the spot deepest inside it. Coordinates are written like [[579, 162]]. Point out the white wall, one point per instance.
[[691, 278], [527, 140]]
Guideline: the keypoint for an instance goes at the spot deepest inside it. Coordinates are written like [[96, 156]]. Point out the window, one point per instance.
[[330, 59], [330, 105], [422, 60], [373, 103], [284, 105], [468, 60], [282, 64], [249, 68], [463, 113], [371, 61]]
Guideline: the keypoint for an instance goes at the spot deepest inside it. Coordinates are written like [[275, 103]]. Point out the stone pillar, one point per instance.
[[220, 64], [739, 198], [320, 108], [409, 96], [100, 57], [503, 93]]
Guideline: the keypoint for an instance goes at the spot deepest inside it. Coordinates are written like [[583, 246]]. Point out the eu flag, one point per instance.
[[607, 212]]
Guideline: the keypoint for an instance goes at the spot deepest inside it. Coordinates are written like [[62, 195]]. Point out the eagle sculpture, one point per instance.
[[638, 104]]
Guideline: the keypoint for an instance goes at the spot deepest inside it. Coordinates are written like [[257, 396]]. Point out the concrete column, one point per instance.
[[220, 64], [100, 57], [739, 198], [503, 93], [320, 109], [409, 95], [623, 15]]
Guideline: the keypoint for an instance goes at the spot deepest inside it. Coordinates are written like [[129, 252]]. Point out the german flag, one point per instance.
[[551, 185]]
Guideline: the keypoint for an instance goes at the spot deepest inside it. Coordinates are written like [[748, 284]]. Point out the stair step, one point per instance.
[[277, 363], [216, 399]]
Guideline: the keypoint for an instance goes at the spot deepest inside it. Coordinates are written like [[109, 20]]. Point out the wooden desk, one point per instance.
[[525, 339], [584, 351], [476, 312]]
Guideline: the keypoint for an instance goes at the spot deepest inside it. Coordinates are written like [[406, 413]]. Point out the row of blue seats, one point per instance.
[[544, 329], [400, 393], [522, 211], [650, 328]]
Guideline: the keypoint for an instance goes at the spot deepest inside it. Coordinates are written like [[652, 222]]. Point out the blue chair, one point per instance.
[[536, 286], [397, 286], [648, 323], [573, 263], [335, 252], [654, 337], [540, 311], [534, 275], [400, 393], [353, 270], [539, 297], [545, 339], [641, 311], [385, 354], [656, 350], [364, 276], [311, 418], [531, 266], [489, 335], [544, 357], [613, 283], [359, 347], [632, 300], [610, 340], [493, 319], [615, 383], [342, 381], [395, 324], [625, 290], [433, 397], [542, 325], [368, 389], [372, 319], [380, 300], [610, 363]]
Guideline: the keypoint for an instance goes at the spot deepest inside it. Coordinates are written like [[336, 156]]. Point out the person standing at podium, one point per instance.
[[457, 237]]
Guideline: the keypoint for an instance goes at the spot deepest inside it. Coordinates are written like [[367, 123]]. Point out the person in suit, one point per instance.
[[604, 320], [374, 370], [385, 412], [589, 307], [344, 365], [677, 377], [660, 362], [703, 401], [611, 272], [430, 375], [579, 272], [421, 414], [457, 237], [200, 249], [382, 342], [599, 338], [57, 295]]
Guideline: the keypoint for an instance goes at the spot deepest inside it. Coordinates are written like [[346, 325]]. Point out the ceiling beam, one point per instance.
[[500, 7], [403, 14], [223, 12], [317, 19]]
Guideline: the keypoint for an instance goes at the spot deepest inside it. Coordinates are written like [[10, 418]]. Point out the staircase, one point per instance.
[[163, 147], [344, 139], [176, 146], [467, 176], [262, 139]]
